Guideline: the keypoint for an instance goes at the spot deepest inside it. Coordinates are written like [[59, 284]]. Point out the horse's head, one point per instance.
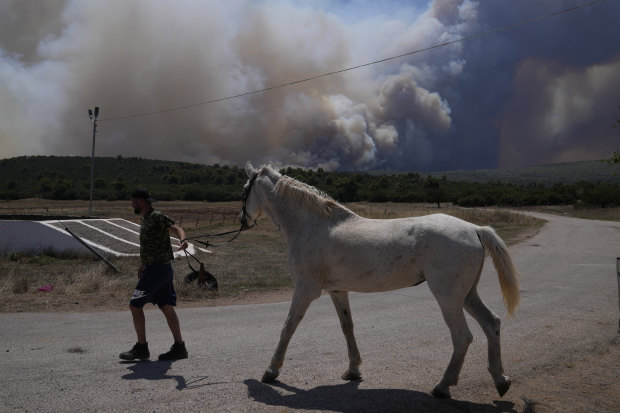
[[254, 193]]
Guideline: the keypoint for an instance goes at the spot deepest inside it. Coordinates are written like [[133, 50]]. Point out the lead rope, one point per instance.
[[207, 243], [203, 273]]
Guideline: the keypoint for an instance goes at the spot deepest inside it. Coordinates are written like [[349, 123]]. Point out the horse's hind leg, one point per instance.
[[341, 302], [461, 339], [301, 300], [490, 324]]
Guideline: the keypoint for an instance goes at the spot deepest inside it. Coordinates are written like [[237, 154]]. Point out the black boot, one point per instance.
[[177, 352], [139, 351]]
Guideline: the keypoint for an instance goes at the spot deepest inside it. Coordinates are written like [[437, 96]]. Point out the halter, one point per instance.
[[244, 212]]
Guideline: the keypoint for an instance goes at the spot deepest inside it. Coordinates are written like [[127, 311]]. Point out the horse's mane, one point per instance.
[[307, 196]]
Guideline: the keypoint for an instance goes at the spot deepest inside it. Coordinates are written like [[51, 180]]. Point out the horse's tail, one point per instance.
[[506, 271]]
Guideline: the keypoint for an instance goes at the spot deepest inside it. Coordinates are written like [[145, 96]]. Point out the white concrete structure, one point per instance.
[[113, 236], [36, 237]]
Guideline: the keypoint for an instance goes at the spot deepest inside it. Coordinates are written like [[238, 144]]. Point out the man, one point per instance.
[[155, 277]]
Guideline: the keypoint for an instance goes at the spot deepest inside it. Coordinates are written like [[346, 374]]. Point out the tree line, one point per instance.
[[68, 178], [414, 187]]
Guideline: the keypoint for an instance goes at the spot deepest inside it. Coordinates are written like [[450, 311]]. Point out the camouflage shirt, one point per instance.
[[155, 238]]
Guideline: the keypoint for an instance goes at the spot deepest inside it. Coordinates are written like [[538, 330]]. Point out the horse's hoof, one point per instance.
[[352, 375], [503, 386], [269, 376], [440, 393]]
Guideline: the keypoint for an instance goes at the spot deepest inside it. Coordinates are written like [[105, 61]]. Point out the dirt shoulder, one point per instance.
[[581, 381], [250, 297]]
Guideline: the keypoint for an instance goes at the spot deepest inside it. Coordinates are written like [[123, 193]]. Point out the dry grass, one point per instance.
[[254, 263], [76, 282]]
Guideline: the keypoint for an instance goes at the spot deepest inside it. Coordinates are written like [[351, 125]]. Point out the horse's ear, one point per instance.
[[249, 169]]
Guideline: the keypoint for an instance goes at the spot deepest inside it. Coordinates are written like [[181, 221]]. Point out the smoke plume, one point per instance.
[[467, 105]]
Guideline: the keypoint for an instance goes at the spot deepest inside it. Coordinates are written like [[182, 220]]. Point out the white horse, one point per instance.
[[331, 248]]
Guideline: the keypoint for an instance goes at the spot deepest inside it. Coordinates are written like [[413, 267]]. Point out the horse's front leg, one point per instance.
[[302, 298], [341, 302]]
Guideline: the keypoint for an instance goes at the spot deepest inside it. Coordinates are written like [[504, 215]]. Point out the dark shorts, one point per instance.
[[155, 286]]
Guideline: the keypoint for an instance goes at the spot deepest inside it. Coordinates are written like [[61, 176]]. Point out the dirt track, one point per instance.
[[562, 347]]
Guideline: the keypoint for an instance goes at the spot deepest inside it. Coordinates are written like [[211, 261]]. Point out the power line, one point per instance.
[[437, 46]]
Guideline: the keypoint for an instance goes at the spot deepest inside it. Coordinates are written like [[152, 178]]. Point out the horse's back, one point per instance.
[[413, 232], [366, 255]]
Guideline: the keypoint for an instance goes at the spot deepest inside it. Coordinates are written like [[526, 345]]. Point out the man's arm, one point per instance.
[[178, 231]]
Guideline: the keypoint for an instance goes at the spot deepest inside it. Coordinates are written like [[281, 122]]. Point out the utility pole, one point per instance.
[[92, 117]]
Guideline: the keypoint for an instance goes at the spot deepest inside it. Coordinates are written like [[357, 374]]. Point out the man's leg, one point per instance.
[[178, 350], [141, 349], [139, 323], [173, 322]]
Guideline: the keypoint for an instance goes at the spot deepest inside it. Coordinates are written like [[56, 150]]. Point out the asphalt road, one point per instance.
[[569, 302]]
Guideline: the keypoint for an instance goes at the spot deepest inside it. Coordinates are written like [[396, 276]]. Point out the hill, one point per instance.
[[52, 177], [560, 173], [115, 178]]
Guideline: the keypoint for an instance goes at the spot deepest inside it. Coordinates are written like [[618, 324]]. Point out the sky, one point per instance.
[[538, 93]]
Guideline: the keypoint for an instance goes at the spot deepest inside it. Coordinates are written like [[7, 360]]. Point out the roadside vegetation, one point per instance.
[[252, 266]]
